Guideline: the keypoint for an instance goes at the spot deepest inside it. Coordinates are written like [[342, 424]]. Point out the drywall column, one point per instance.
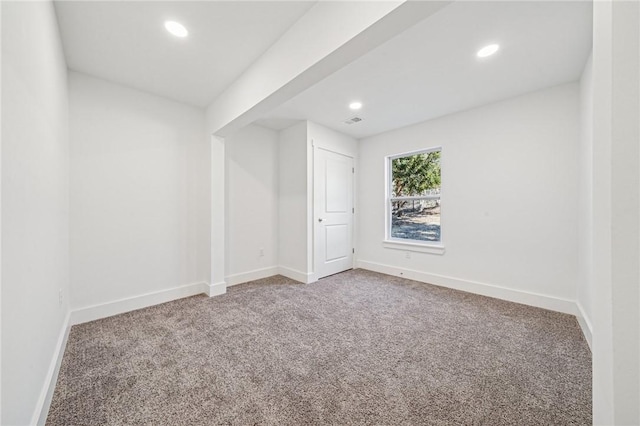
[[616, 209], [217, 284], [601, 261], [625, 209], [0, 226]]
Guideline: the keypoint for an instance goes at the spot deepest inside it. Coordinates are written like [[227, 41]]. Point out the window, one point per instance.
[[413, 198]]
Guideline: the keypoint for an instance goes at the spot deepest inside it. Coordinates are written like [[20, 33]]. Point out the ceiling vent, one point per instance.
[[353, 120]]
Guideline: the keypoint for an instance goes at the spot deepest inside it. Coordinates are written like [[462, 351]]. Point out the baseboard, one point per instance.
[[258, 274], [46, 394], [251, 275], [526, 298], [104, 310], [216, 289], [305, 278], [585, 323]]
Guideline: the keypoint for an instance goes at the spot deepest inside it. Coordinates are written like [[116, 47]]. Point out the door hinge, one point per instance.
[[353, 250], [353, 210], [353, 170]]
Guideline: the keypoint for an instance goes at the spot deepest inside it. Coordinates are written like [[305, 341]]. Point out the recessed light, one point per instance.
[[355, 105], [176, 28], [488, 50]]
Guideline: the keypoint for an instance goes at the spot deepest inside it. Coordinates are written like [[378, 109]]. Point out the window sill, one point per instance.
[[416, 247]]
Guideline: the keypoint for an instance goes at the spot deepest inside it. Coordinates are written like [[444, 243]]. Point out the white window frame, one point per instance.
[[433, 247]]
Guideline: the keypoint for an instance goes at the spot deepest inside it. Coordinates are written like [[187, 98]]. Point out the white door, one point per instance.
[[333, 218]]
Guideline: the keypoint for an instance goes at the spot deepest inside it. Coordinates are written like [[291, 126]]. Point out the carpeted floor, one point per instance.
[[355, 348]]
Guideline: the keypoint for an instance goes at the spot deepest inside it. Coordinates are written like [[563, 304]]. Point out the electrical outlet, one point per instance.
[[60, 297], [261, 251], [407, 254]]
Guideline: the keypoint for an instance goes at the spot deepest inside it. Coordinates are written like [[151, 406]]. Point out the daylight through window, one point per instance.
[[414, 196]]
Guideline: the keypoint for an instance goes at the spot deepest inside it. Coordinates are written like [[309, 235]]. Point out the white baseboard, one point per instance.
[[39, 416], [526, 298], [216, 289], [303, 277], [251, 275], [585, 323], [104, 310], [294, 274]]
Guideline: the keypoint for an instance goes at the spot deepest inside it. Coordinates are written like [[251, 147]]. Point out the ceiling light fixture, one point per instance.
[[488, 50], [355, 105], [176, 28]]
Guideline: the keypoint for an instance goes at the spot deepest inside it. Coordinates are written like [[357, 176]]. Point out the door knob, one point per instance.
[[320, 219]]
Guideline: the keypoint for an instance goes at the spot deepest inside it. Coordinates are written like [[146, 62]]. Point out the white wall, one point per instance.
[[252, 204], [140, 193], [509, 197], [585, 285], [331, 140], [293, 206], [35, 200]]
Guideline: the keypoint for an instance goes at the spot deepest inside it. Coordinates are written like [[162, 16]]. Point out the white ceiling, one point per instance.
[[125, 42], [431, 69]]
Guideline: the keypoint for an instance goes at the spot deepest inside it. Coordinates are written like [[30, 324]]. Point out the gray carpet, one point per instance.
[[355, 348]]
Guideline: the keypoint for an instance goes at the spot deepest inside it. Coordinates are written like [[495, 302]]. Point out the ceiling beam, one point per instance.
[[328, 37]]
